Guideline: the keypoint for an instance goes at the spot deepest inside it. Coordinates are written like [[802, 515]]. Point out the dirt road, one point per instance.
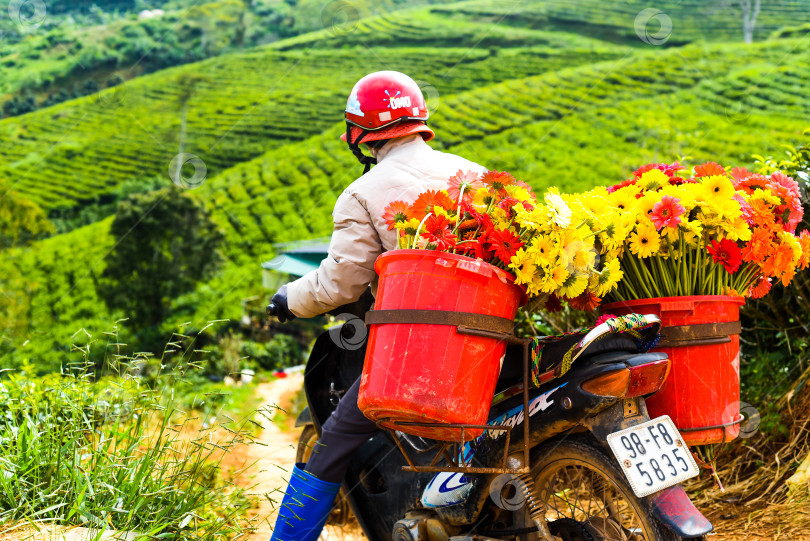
[[273, 461]]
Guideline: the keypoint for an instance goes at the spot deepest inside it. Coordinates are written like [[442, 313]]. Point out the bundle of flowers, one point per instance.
[[560, 248], [708, 231]]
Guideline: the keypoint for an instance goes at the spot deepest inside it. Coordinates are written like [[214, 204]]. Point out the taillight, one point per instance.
[[629, 382], [647, 378], [613, 383]]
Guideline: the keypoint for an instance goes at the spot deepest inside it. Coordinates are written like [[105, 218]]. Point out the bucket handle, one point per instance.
[[476, 267]]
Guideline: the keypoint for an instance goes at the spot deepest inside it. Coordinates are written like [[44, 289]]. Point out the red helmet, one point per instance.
[[384, 99]]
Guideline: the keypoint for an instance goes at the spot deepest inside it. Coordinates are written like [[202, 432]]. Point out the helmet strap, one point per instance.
[[354, 146]]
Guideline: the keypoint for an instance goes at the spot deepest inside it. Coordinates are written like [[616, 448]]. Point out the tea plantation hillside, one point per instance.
[[689, 20], [236, 107], [574, 128]]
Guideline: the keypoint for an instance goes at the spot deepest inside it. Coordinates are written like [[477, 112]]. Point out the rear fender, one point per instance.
[[671, 506]]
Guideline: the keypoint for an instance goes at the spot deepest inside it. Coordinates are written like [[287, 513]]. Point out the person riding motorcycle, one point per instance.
[[386, 112]]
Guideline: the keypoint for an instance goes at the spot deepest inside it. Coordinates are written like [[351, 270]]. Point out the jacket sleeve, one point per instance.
[[348, 268]]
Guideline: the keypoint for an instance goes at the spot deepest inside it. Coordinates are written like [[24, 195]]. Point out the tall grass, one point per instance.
[[103, 446]]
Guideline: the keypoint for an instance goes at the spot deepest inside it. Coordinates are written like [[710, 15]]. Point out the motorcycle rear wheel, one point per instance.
[[587, 497]]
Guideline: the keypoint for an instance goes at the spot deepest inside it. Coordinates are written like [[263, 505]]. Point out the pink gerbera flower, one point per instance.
[[667, 212], [468, 181]]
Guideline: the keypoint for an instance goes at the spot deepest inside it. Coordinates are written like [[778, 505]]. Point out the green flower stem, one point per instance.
[[636, 274], [418, 229], [645, 280]]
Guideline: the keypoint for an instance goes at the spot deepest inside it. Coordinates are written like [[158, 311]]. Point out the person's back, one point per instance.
[[387, 112]]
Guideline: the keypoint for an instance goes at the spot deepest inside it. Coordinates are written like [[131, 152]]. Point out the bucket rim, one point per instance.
[[657, 300], [435, 254]]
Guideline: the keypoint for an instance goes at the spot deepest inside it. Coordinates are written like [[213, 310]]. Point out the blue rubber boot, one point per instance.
[[305, 508]]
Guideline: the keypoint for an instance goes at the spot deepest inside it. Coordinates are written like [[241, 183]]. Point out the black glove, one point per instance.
[[278, 306]]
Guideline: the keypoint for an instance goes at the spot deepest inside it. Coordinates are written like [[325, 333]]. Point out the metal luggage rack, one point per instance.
[[452, 451]]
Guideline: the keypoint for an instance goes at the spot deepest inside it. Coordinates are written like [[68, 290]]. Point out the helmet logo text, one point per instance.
[[397, 102]]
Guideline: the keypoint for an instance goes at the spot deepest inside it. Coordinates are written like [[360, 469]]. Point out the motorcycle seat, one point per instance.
[[611, 349]]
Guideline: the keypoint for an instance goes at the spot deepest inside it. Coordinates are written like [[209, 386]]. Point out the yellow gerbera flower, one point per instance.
[[529, 219], [717, 187], [573, 286], [553, 279], [481, 199], [653, 180], [625, 198], [646, 241], [644, 206], [523, 266], [544, 251], [603, 282]]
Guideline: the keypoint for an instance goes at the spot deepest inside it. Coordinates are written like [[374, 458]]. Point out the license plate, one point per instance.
[[652, 456]]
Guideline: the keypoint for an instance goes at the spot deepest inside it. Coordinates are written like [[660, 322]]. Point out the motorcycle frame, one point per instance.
[[451, 451]]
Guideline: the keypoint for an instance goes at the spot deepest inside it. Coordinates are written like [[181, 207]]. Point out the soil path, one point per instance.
[[274, 459]]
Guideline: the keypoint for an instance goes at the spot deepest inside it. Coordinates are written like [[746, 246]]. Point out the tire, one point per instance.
[[341, 514], [305, 442], [581, 468]]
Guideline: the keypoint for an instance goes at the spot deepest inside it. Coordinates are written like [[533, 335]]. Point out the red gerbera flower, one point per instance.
[[505, 244], [469, 181], [553, 304], [727, 253], [667, 212], [427, 200], [619, 186], [507, 203], [437, 231], [709, 169], [669, 169], [396, 212]]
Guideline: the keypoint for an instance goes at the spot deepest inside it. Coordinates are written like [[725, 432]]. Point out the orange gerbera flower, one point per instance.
[[804, 240], [761, 214], [427, 200], [587, 302], [758, 247], [497, 180], [760, 288], [779, 262], [396, 212], [709, 169]]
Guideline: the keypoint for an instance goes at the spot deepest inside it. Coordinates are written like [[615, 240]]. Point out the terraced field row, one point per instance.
[[425, 28], [689, 20], [239, 107]]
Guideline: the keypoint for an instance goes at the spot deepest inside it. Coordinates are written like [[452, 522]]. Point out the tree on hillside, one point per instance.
[[21, 220], [750, 11], [166, 243]]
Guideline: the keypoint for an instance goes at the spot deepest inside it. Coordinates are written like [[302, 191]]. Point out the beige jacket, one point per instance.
[[406, 167]]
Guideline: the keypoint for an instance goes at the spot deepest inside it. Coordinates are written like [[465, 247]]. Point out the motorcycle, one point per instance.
[[598, 467]]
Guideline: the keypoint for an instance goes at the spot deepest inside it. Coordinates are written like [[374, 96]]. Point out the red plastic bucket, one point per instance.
[[703, 387], [430, 373]]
